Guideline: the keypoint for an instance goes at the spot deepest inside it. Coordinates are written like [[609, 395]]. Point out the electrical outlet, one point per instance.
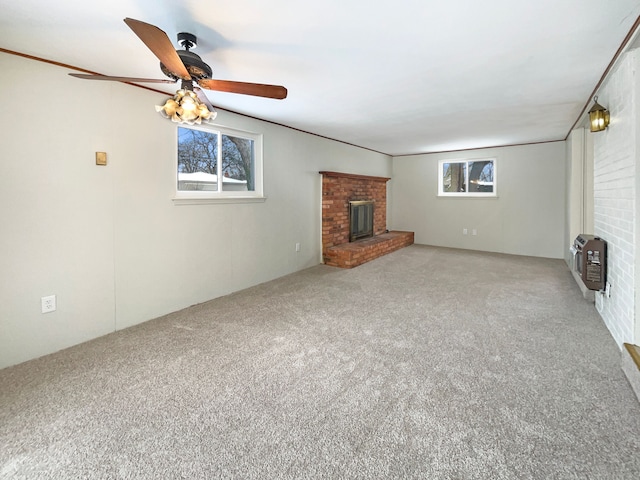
[[465, 231], [474, 232], [48, 304], [297, 247]]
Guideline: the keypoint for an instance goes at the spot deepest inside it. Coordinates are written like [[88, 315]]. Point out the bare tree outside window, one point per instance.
[[481, 176], [455, 177], [237, 159], [197, 151]]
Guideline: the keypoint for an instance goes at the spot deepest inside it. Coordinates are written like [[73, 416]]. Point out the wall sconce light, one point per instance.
[[598, 117], [185, 107]]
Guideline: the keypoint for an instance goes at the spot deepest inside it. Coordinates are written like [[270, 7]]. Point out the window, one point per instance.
[[467, 178], [218, 164]]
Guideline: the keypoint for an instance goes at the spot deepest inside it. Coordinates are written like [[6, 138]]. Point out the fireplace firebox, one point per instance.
[[360, 219]]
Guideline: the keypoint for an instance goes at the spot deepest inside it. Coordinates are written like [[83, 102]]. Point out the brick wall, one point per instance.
[[338, 189], [615, 196]]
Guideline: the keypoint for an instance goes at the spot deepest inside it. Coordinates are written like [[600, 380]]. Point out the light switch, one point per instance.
[[101, 158]]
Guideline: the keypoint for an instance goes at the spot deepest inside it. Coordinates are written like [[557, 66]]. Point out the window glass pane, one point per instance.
[[197, 160], [237, 164], [481, 176], [454, 177]]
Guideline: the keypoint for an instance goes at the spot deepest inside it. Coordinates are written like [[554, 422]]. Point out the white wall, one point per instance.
[[574, 190], [615, 196], [108, 241], [579, 189], [527, 217]]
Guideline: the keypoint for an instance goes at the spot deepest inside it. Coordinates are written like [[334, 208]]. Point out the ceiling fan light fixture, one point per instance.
[[186, 107]]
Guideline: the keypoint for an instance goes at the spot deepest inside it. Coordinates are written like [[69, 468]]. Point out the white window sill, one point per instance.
[[210, 200], [466, 196]]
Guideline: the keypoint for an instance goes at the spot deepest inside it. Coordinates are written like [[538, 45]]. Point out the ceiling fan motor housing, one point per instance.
[[192, 62]]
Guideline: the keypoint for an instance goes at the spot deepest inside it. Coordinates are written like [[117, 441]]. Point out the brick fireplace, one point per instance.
[[338, 189]]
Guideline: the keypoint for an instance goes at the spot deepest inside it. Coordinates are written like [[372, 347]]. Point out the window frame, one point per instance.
[[190, 197], [466, 161]]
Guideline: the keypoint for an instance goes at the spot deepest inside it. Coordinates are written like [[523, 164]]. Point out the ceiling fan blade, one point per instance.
[[158, 42], [257, 89], [203, 98], [84, 76]]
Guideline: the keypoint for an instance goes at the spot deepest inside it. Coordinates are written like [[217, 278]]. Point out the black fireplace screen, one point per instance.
[[360, 219]]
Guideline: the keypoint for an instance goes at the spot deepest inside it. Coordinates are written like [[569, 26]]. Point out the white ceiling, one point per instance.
[[402, 77]]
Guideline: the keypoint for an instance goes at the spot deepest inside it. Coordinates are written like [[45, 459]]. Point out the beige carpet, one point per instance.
[[427, 363]]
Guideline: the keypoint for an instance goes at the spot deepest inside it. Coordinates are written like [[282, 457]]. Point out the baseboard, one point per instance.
[[589, 295], [631, 366]]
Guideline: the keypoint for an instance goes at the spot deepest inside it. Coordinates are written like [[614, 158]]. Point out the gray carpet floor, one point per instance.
[[427, 363]]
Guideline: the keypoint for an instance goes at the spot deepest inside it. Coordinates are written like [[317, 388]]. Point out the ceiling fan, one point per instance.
[[185, 66]]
